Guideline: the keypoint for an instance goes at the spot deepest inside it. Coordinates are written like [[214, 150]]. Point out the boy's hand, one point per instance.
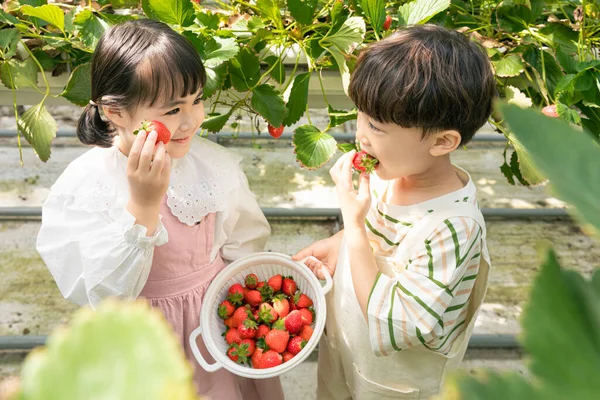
[[354, 204], [326, 251]]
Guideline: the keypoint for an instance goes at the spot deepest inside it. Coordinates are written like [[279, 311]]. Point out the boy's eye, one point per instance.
[[173, 111], [373, 127], [198, 101]]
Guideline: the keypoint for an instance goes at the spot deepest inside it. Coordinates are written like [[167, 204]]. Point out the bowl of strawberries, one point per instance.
[[261, 316]]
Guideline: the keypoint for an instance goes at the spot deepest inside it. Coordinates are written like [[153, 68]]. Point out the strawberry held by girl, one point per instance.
[[156, 214]]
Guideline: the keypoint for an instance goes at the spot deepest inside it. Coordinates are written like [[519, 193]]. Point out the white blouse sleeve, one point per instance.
[[94, 255], [244, 225]]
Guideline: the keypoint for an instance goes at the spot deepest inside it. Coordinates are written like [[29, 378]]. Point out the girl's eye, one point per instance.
[[173, 111], [198, 101], [373, 127]]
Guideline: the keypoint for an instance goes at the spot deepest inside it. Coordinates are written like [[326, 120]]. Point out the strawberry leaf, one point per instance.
[[277, 68], [174, 12], [338, 117], [298, 99], [313, 148], [375, 11], [9, 38], [39, 128], [270, 11], [302, 10], [267, 101], [48, 12], [215, 123], [79, 87], [245, 70], [420, 11]]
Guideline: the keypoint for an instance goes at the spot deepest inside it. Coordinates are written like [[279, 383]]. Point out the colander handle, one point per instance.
[[328, 281], [194, 346]]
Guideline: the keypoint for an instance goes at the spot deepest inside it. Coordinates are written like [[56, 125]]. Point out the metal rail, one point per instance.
[[341, 137], [482, 341], [35, 213]]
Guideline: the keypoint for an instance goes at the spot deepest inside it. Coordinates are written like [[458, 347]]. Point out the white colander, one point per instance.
[[264, 265]]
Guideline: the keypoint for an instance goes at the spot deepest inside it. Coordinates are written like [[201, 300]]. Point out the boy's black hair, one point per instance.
[[428, 77]]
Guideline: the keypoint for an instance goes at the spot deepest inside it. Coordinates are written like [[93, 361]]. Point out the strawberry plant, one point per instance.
[[264, 56]]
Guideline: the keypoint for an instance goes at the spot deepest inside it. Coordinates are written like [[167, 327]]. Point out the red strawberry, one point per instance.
[[275, 282], [253, 297], [293, 322], [550, 111], [236, 294], [275, 132], [249, 345], [260, 284], [262, 331], [247, 329], [267, 313], [289, 286], [270, 359], [277, 339], [387, 23], [307, 316], [241, 314], [258, 353], [364, 163], [251, 281], [306, 332], [281, 305], [287, 356], [232, 352], [228, 322], [226, 309], [232, 336], [296, 344], [255, 315], [301, 300], [163, 134]]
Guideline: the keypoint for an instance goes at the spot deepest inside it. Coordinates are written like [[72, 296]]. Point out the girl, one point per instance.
[[135, 218]]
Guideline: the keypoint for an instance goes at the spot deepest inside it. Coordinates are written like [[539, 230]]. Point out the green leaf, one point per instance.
[[214, 80], [342, 66], [512, 17], [35, 3], [270, 11], [313, 148], [49, 13], [375, 11], [79, 87], [39, 128], [516, 168], [561, 327], [338, 117], [298, 99], [349, 35], [9, 38], [528, 170], [120, 351], [277, 68], [564, 38], [113, 19], [576, 179], [215, 123], [508, 173], [302, 10], [568, 114], [420, 11], [245, 70], [511, 65], [208, 19], [347, 147], [7, 18], [21, 73], [549, 66], [174, 12], [219, 50], [566, 60], [92, 27], [267, 101]]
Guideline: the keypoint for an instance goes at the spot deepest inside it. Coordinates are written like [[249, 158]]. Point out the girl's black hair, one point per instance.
[[137, 63]]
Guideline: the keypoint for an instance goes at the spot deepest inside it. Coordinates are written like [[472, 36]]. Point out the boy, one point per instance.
[[411, 264]]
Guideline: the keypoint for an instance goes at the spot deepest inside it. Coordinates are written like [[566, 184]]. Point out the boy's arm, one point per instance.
[[425, 302], [325, 250]]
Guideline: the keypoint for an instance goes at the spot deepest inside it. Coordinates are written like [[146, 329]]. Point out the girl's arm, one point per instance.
[[94, 255]]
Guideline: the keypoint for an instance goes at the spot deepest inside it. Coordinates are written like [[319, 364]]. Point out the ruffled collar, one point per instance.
[[201, 181]]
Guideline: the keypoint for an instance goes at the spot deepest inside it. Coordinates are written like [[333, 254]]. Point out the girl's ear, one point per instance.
[[115, 115], [444, 143]]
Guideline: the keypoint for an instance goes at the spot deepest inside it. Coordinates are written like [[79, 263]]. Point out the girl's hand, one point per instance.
[[326, 251], [148, 173], [354, 204]]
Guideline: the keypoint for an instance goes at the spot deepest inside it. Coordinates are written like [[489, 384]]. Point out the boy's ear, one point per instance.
[[115, 115], [444, 142]]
